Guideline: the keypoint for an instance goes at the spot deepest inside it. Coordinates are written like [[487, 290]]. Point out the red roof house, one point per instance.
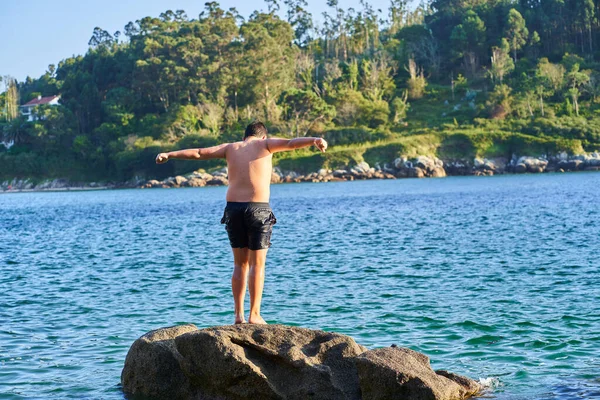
[[28, 108]]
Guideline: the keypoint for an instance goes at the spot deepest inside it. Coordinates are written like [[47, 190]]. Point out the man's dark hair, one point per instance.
[[257, 129]]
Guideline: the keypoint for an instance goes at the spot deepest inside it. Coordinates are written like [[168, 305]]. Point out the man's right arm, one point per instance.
[[194, 154], [275, 145]]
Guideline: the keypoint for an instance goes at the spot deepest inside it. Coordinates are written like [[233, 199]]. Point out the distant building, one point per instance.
[[28, 109]]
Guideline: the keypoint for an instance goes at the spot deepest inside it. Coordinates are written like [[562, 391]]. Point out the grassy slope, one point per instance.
[[441, 129]]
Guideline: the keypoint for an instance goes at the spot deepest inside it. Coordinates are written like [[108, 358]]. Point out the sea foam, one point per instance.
[[490, 383]]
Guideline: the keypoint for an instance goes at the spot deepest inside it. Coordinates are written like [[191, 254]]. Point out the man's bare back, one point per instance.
[[249, 164], [248, 217]]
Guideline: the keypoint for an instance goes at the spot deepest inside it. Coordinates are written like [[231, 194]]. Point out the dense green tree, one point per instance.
[[270, 57], [502, 64], [500, 102], [303, 108], [416, 82], [11, 98], [516, 31], [585, 14], [418, 43], [377, 82], [400, 107], [576, 80], [468, 38]]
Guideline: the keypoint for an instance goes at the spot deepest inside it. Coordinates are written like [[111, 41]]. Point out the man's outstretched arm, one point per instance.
[[194, 154], [274, 145]]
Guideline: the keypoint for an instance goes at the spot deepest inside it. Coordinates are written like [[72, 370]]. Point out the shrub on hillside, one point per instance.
[[345, 136]]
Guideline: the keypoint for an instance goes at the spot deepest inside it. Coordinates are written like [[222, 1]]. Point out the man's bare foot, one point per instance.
[[256, 319], [239, 320]]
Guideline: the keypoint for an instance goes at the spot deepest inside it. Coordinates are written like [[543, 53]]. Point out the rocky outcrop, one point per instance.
[[419, 167], [528, 164], [582, 162], [279, 362], [196, 179], [488, 167], [360, 171]]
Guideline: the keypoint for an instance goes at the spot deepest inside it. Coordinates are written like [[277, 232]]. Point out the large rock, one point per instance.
[[218, 180], [278, 362], [572, 165], [593, 160], [399, 163], [494, 165], [399, 373], [361, 168], [533, 164], [222, 172], [195, 182], [458, 167], [150, 184], [429, 166], [520, 168], [416, 172], [275, 177], [200, 174], [438, 172], [179, 180], [425, 163]]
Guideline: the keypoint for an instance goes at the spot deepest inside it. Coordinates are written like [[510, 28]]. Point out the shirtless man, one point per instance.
[[248, 217]]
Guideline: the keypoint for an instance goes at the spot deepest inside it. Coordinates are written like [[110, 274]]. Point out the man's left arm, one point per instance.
[[206, 153], [275, 145]]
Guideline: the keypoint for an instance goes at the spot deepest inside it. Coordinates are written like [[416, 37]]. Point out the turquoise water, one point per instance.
[[496, 278]]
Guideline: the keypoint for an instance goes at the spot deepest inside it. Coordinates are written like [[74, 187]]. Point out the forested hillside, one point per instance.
[[460, 77]]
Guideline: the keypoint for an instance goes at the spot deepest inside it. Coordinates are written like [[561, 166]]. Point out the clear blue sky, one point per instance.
[[37, 33]]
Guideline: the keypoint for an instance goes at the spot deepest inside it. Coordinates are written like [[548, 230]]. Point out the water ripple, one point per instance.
[[496, 278]]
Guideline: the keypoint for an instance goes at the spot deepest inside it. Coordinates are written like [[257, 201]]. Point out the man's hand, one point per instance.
[[162, 158], [321, 144]]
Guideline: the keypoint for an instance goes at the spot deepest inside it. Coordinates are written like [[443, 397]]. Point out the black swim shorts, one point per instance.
[[249, 225]]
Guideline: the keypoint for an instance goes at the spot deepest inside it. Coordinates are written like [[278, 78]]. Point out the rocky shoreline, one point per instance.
[[418, 167], [403, 167], [61, 185], [280, 362]]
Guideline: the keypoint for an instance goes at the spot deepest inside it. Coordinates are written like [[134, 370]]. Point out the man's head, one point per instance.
[[256, 129]]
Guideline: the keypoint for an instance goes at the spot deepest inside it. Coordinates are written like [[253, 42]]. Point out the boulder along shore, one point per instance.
[[402, 167], [280, 362]]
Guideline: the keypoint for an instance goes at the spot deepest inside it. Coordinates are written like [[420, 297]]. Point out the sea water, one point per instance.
[[496, 278]]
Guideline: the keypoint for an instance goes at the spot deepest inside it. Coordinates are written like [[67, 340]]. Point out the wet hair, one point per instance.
[[257, 129]]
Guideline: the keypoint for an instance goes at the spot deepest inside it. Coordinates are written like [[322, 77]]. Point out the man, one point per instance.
[[248, 217]]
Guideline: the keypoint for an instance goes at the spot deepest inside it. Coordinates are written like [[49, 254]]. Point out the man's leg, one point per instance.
[[257, 259], [238, 282]]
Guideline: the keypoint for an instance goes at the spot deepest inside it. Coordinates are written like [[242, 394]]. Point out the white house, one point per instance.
[[28, 109]]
